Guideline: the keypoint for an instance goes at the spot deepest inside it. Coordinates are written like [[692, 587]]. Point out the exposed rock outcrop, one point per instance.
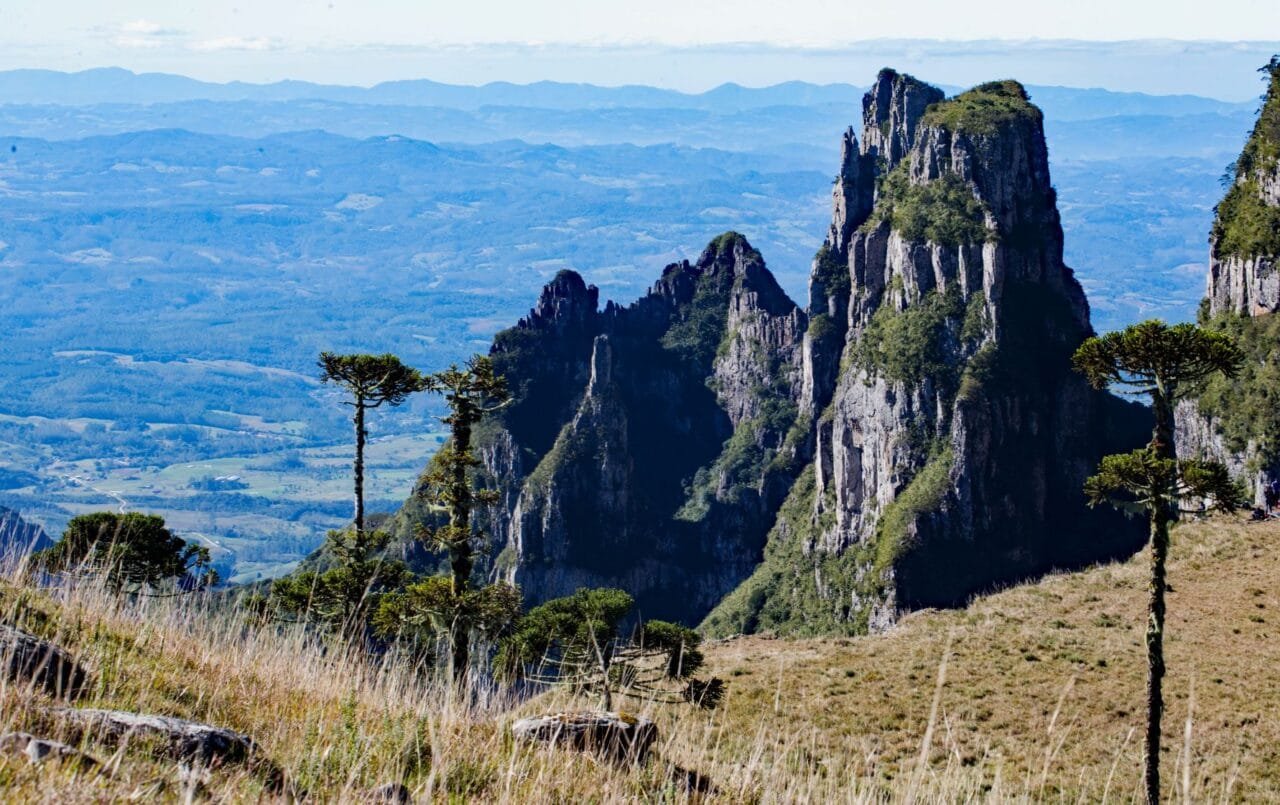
[[17, 536], [953, 442], [648, 445], [39, 750], [612, 735], [1236, 420], [186, 740], [917, 436], [49, 668]]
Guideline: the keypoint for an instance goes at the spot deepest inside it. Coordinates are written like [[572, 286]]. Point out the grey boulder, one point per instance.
[[45, 666], [614, 735]]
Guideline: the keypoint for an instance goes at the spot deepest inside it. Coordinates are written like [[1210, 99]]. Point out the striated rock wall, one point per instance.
[[953, 437], [1236, 420], [650, 443]]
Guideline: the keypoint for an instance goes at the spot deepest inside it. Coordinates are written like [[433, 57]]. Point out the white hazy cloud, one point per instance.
[[688, 44], [241, 43], [141, 34]]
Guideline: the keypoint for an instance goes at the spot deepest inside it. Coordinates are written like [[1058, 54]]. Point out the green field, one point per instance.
[[259, 512]]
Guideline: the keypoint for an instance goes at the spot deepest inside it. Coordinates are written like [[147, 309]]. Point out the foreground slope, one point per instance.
[[1043, 686], [1041, 698]]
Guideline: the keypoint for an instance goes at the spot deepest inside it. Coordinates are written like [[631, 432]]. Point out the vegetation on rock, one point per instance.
[[1245, 408], [1245, 225], [943, 211], [984, 109]]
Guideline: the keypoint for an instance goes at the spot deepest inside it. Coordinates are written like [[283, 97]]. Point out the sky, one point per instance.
[[685, 44]]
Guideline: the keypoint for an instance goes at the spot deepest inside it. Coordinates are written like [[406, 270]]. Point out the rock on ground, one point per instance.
[[47, 667], [616, 735], [183, 739], [38, 750]]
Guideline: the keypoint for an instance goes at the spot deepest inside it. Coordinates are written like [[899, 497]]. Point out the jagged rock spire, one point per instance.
[[890, 112]]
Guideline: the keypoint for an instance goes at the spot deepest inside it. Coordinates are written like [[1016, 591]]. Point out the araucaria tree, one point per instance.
[[130, 551], [471, 393], [372, 381], [348, 592], [1165, 364], [577, 642]]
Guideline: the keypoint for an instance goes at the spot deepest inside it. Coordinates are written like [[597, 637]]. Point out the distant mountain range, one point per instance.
[[114, 85]]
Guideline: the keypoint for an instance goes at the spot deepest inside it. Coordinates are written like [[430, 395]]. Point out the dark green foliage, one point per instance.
[[944, 211], [1152, 357], [423, 612], [377, 379], [976, 320], [984, 109], [131, 551], [1246, 408], [831, 272], [1137, 481], [923, 495], [344, 595], [782, 595], [1245, 226], [912, 344], [1165, 364], [576, 642], [371, 380], [678, 643], [748, 455], [567, 630], [697, 334], [821, 328], [471, 393]]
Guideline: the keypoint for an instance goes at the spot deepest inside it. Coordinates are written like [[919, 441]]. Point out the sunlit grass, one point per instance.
[[1040, 700]]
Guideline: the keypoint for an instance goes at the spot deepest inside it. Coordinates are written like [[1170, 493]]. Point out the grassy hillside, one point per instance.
[[1039, 698]]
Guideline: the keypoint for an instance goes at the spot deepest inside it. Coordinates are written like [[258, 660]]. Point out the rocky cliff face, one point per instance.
[[952, 436], [649, 444], [916, 436], [1236, 421], [1244, 260], [17, 536]]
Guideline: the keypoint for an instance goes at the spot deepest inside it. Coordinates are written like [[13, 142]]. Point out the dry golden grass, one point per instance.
[[1039, 699], [1044, 681]]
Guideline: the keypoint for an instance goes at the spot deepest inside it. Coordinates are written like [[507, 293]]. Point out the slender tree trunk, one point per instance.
[[1162, 443], [461, 557], [359, 470], [1155, 649], [1162, 434]]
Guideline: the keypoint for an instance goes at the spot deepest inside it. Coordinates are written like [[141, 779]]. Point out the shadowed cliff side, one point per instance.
[[650, 444]]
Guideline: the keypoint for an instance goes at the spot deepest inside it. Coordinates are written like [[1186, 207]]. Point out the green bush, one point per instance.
[[943, 211], [1247, 407], [912, 344], [984, 109]]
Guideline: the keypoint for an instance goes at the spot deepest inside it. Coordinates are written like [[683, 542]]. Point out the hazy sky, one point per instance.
[[690, 44]]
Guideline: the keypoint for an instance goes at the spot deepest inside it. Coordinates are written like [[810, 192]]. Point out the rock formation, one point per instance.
[[951, 435], [19, 536], [649, 445], [916, 436], [1237, 421]]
